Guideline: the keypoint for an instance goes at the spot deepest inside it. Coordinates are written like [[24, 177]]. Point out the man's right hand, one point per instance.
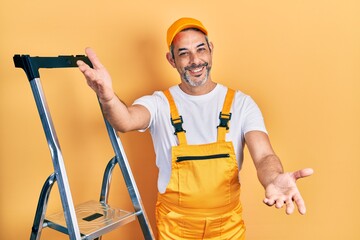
[[121, 117], [97, 77]]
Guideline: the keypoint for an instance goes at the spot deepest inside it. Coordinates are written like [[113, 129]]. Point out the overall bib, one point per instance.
[[202, 199]]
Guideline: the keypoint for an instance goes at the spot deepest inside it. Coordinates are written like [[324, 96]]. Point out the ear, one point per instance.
[[170, 59], [211, 46]]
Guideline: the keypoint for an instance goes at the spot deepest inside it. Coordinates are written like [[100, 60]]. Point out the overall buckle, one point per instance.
[[177, 123], [224, 120]]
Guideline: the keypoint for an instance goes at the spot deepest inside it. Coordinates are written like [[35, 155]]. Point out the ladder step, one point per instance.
[[94, 219]]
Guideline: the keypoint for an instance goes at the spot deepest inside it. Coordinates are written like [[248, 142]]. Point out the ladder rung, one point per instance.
[[94, 219]]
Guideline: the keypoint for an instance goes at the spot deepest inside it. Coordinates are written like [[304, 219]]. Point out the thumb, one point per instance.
[[303, 173]]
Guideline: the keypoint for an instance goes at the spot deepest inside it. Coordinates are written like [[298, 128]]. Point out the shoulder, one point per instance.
[[242, 102], [243, 99], [239, 96], [153, 101]]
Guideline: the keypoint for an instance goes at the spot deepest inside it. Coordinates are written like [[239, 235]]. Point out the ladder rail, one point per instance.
[[57, 159], [41, 207], [105, 187], [129, 181]]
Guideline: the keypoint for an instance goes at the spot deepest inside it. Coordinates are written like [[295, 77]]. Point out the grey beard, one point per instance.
[[193, 83], [187, 78]]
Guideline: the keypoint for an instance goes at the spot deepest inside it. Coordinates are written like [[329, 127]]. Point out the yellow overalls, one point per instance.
[[202, 199]]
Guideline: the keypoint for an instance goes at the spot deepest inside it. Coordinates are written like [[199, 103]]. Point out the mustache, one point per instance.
[[194, 66]]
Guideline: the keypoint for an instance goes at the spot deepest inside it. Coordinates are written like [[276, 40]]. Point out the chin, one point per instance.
[[196, 83]]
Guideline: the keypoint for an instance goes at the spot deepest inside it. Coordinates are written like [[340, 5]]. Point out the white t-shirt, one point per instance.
[[201, 118]]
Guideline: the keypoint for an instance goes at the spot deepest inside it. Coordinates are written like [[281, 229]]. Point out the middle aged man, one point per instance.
[[198, 152]]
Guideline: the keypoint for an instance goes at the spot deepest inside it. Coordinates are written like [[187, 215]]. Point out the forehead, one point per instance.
[[188, 39]]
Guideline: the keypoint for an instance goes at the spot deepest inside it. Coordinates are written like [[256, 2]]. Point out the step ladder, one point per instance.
[[92, 219]]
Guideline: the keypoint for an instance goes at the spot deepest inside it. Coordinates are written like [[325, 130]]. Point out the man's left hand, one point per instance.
[[283, 191]]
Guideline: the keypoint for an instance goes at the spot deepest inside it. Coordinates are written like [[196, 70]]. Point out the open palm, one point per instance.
[[284, 191]]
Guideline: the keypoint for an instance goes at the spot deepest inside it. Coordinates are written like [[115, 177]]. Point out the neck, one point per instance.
[[199, 90]]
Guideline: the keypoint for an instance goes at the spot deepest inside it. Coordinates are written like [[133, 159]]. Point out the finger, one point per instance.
[[289, 206], [93, 58], [299, 201], [86, 70], [269, 201], [279, 203], [82, 65], [303, 173]]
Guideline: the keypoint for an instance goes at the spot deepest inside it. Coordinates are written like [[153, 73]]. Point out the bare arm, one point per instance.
[[267, 164], [280, 187], [120, 116]]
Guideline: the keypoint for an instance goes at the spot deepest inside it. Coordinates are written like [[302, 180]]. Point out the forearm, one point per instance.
[[123, 118], [268, 168], [279, 187], [116, 112]]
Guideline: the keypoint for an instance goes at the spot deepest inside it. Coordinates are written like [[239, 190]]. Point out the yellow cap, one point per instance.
[[181, 24]]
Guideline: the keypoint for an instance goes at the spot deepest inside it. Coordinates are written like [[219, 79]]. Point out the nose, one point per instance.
[[194, 58]]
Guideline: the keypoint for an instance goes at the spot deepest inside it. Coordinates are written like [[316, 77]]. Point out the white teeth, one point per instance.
[[197, 70]]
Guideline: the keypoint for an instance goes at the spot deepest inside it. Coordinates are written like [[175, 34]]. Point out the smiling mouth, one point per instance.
[[196, 69]]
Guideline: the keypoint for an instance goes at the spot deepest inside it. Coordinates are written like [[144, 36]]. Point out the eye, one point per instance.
[[183, 54], [202, 49]]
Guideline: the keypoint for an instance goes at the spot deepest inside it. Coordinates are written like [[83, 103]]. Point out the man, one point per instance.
[[199, 129]]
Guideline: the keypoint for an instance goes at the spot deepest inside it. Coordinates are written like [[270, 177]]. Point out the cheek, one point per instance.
[[209, 61], [180, 70], [180, 65]]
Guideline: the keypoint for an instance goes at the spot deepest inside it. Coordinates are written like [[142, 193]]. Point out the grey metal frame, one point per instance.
[[31, 65]]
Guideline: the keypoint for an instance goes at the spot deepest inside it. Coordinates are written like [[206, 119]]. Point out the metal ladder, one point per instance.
[[92, 219]]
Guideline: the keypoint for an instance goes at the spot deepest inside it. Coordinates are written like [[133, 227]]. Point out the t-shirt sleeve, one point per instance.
[[253, 118], [149, 102]]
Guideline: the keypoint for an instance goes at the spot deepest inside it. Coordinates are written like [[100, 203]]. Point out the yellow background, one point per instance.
[[299, 60]]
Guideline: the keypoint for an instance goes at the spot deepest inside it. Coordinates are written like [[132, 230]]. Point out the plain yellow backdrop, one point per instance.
[[299, 60]]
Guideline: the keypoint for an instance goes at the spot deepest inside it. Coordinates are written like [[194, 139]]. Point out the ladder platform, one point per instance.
[[94, 219]]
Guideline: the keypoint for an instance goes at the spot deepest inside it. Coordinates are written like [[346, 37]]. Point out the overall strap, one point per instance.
[[225, 115], [176, 119]]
